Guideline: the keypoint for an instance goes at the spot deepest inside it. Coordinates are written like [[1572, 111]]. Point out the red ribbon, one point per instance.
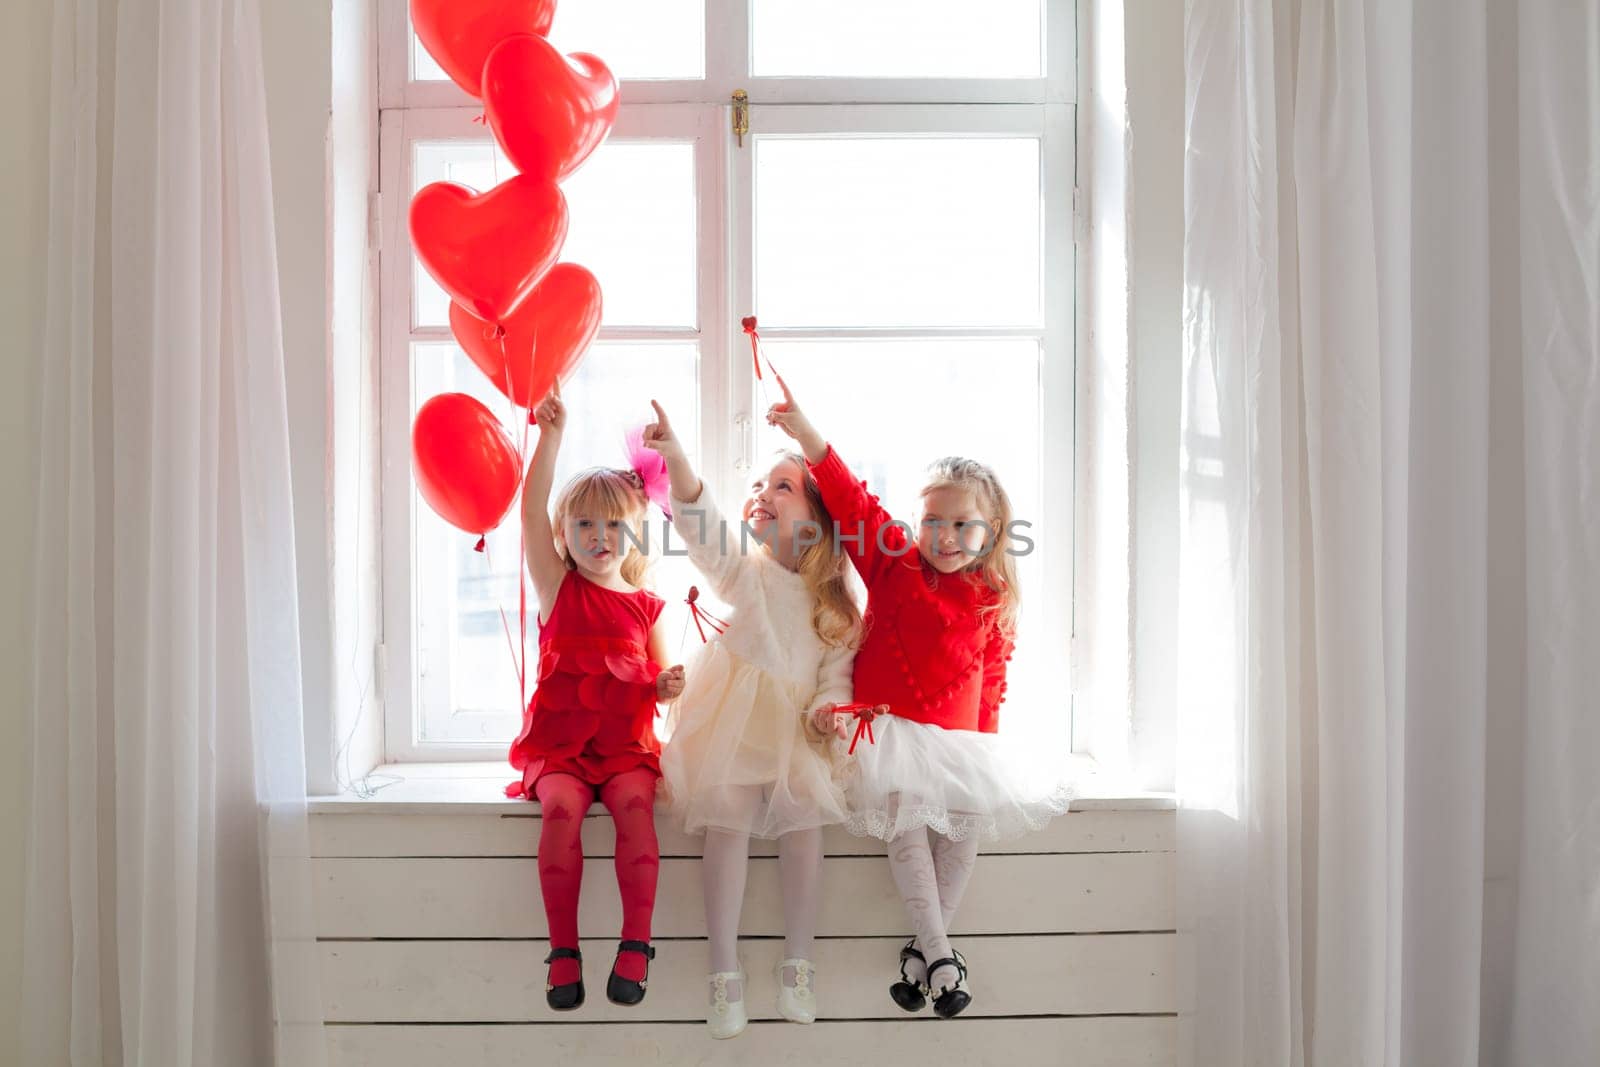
[[864, 714], [749, 324], [699, 614]]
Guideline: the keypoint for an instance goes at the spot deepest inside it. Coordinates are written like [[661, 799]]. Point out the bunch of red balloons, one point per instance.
[[524, 319]]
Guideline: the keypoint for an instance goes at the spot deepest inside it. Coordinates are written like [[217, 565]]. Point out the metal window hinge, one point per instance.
[[741, 115]]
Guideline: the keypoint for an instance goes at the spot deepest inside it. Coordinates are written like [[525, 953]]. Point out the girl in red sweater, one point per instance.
[[940, 626]]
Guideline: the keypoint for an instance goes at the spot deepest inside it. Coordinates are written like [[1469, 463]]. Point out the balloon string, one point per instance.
[[522, 574], [522, 529], [519, 652], [505, 624]]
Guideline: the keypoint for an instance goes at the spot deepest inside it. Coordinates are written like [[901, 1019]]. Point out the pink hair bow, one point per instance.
[[651, 468]]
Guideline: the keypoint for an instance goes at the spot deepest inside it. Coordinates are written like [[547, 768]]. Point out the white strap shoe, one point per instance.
[[726, 1018], [797, 1003]]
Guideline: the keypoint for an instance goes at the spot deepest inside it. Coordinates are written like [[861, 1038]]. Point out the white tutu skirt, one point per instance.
[[738, 758], [957, 783]]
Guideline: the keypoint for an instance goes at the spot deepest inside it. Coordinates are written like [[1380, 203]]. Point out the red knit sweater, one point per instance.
[[926, 653]]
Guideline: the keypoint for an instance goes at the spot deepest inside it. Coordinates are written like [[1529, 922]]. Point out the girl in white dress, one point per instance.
[[746, 754]]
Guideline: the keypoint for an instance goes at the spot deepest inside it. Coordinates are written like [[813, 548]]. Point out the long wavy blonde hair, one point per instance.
[[835, 618], [995, 566], [613, 495]]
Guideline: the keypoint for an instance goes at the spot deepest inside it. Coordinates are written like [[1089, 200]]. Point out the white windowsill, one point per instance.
[[479, 788]]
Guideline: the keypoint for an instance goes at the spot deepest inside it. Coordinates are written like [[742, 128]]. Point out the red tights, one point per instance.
[[564, 800]]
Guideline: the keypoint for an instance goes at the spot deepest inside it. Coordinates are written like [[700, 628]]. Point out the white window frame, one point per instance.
[[727, 59], [700, 111]]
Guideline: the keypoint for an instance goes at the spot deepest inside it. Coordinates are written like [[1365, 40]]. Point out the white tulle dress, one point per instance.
[[957, 783], [740, 720]]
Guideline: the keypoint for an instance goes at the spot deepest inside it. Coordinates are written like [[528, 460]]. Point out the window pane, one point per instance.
[[633, 224], [466, 684], [898, 38], [638, 39], [976, 398], [897, 231]]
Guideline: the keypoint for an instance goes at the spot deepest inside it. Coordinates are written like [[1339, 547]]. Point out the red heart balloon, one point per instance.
[[543, 341], [548, 110], [460, 34], [489, 250], [465, 465]]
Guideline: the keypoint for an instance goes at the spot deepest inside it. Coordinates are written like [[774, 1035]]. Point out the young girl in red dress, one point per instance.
[[590, 728], [940, 626]]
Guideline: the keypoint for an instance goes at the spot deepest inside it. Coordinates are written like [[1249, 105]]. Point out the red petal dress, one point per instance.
[[594, 707]]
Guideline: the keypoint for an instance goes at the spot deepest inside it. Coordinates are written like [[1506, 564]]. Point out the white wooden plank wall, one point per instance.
[[432, 937]]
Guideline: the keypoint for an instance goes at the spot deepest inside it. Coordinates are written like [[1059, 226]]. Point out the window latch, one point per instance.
[[741, 115]]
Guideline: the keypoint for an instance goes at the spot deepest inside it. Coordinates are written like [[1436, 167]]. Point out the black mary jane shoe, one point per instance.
[[569, 996], [952, 1000], [626, 991], [909, 995]]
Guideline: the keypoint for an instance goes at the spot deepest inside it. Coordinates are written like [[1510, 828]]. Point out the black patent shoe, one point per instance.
[[569, 996], [952, 1000], [909, 995], [626, 991]]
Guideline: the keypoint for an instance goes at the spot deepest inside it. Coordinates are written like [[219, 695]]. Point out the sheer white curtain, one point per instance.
[[1389, 759], [167, 759]]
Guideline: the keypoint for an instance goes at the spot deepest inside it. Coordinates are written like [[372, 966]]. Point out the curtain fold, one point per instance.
[[168, 902], [1388, 847]]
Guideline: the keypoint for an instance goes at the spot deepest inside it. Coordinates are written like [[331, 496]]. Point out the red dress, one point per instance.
[[593, 711], [926, 654]]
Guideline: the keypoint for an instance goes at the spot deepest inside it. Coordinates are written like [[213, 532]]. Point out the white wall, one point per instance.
[[1130, 374], [321, 97], [24, 160], [1102, 579], [355, 714], [1154, 41], [297, 54]]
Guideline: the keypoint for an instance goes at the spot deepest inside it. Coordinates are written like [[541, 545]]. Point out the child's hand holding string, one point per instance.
[[551, 414], [669, 683]]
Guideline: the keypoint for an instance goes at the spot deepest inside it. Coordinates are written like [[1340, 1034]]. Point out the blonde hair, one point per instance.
[[612, 494], [835, 618], [995, 566]]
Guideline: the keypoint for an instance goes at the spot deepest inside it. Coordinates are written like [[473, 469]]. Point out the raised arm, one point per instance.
[[539, 544], [866, 531], [698, 523]]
